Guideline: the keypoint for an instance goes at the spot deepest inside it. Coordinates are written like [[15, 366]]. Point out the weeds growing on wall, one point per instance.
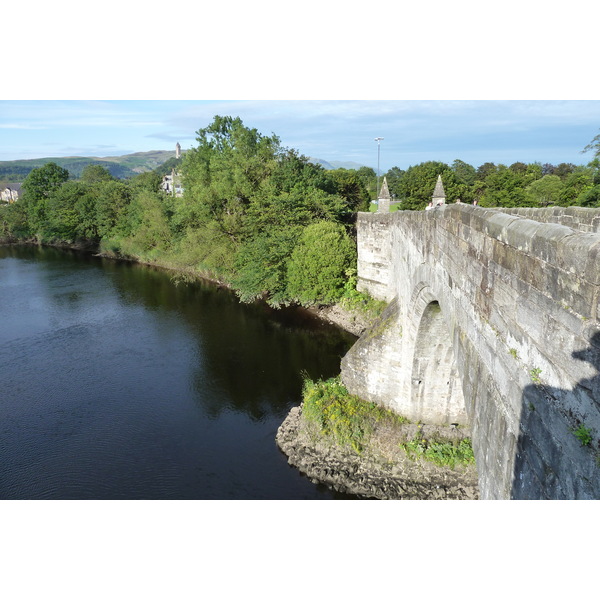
[[583, 434], [357, 301]]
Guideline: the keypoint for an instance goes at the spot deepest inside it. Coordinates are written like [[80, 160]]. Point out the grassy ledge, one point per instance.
[[349, 422]]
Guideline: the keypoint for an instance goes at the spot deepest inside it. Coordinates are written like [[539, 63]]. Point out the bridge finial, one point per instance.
[[439, 195], [384, 198]]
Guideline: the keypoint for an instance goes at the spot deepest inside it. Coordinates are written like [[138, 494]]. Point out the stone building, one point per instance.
[[171, 184], [10, 192], [177, 150]]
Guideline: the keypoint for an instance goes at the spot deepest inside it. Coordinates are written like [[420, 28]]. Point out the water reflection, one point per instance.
[[118, 384]]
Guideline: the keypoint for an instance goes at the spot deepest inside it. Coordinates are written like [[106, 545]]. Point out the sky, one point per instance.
[[413, 131]]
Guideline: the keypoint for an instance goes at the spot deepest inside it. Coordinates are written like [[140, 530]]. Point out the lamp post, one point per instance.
[[377, 139]]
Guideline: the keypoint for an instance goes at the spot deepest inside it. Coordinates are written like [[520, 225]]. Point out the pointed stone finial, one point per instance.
[[384, 198], [439, 195], [384, 192]]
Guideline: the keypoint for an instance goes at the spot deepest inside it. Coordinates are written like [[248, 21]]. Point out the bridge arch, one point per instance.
[[499, 307], [436, 387]]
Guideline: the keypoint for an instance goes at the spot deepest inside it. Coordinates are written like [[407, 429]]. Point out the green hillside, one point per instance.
[[122, 167]]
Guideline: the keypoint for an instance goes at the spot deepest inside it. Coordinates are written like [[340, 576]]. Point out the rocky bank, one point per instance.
[[383, 471]]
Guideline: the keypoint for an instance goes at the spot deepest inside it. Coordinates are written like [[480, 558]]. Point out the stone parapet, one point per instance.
[[518, 294]]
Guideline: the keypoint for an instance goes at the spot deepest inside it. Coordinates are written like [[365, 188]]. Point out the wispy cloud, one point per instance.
[[20, 126]]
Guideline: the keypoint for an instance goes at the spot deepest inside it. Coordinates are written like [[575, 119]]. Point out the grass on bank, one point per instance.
[[360, 302], [340, 415], [443, 454], [350, 421]]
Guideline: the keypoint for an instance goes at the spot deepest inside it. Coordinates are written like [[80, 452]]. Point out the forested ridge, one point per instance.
[[259, 216]]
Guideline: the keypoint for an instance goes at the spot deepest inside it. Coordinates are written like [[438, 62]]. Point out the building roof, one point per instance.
[[16, 187]]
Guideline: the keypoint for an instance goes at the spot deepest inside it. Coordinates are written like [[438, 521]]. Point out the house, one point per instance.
[[171, 184], [10, 192]]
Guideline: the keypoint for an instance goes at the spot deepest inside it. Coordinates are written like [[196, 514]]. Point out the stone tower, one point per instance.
[[439, 196], [384, 198], [177, 150]]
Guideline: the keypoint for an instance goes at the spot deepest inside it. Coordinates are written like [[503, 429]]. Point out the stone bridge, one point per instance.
[[492, 324]]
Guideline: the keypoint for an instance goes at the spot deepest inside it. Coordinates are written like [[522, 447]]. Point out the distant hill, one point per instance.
[[335, 164], [121, 167]]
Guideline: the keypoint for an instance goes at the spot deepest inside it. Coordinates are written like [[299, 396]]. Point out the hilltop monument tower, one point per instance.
[[177, 150]]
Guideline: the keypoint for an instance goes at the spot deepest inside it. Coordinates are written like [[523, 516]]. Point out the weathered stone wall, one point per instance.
[[374, 254], [579, 218], [492, 326]]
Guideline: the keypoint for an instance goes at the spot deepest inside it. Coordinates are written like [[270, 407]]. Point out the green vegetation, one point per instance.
[[354, 300], [126, 166], [499, 185], [347, 419], [443, 454], [255, 215], [350, 421], [583, 434], [535, 375]]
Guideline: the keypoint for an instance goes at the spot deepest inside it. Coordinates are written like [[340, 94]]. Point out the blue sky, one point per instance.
[[476, 131]]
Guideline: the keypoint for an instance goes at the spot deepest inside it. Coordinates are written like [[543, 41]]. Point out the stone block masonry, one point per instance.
[[492, 324]]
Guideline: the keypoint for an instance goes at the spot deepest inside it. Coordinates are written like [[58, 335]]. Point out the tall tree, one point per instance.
[[38, 186], [464, 172], [593, 146], [223, 172], [393, 177], [545, 191], [418, 183]]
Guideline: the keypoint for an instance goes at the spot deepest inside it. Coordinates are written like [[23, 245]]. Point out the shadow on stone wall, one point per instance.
[[551, 462]]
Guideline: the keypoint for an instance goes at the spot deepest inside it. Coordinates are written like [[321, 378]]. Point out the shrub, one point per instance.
[[443, 454], [318, 265], [346, 418]]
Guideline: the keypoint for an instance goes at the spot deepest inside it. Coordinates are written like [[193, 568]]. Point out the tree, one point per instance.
[[393, 178], [37, 187], [465, 173], [576, 185], [518, 167], [563, 170], [418, 183], [351, 187], [13, 221], [318, 265], [369, 178], [62, 215], [548, 169], [486, 169], [593, 146], [503, 188], [224, 172], [111, 199], [261, 265], [545, 191], [95, 174]]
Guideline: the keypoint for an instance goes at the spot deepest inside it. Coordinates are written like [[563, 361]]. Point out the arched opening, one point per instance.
[[436, 387]]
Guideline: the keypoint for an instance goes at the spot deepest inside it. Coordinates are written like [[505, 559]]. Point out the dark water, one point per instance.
[[117, 384]]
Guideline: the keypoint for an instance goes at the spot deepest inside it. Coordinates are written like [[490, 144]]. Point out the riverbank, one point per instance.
[[352, 321], [383, 470]]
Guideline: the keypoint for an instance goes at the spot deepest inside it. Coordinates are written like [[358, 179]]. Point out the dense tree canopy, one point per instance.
[[260, 217]]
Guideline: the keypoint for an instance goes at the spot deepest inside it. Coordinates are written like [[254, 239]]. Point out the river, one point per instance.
[[115, 383]]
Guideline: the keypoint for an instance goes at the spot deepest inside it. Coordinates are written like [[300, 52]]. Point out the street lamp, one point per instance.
[[377, 139]]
